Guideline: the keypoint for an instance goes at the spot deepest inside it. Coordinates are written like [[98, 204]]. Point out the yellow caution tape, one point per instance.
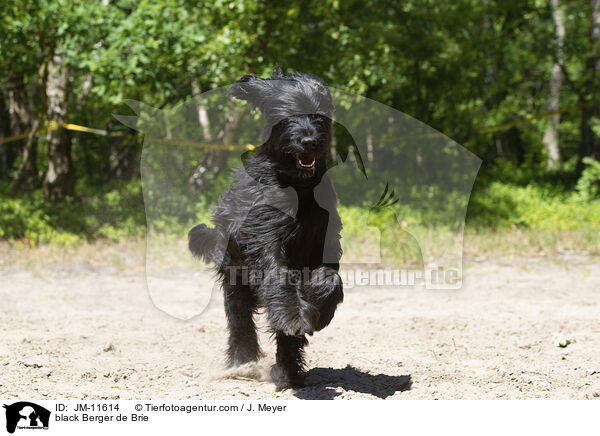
[[13, 138], [52, 125], [198, 144]]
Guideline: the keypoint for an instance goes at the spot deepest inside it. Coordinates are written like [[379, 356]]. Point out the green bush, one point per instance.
[[532, 207], [588, 185], [118, 212], [24, 219]]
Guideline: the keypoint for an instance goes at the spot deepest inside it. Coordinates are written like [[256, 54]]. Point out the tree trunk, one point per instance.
[[418, 90], [17, 104], [7, 155], [551, 135], [60, 177], [19, 123], [590, 143], [215, 161], [202, 114], [27, 177]]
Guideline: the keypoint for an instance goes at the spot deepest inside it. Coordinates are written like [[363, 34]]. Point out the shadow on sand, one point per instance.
[[321, 383]]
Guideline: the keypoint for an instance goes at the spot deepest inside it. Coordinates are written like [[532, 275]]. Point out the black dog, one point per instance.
[[276, 237]]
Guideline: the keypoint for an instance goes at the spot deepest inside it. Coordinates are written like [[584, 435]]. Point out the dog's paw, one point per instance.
[[310, 317], [325, 292], [284, 380], [296, 327], [298, 322]]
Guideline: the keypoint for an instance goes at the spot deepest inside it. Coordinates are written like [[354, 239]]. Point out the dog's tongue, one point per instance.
[[306, 159]]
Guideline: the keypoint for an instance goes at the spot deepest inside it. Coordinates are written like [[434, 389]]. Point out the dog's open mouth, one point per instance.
[[305, 160]]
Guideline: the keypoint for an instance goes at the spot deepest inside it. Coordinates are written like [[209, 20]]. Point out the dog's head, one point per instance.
[[297, 111]]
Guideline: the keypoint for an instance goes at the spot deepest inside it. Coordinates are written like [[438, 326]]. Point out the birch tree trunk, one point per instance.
[[551, 135], [215, 161], [202, 114], [60, 177]]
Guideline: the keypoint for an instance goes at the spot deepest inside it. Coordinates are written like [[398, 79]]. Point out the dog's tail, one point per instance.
[[202, 242]]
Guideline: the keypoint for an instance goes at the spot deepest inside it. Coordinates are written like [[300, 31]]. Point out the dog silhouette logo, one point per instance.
[[26, 415]]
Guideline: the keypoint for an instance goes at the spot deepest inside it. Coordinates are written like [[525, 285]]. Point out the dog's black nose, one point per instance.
[[308, 142]]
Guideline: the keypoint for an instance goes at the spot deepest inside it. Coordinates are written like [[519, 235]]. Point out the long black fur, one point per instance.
[[276, 240]]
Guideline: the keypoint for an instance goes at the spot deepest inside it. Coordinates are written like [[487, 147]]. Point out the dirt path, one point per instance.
[[91, 332]]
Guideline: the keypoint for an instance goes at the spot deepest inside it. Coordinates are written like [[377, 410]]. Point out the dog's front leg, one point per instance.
[[240, 304], [325, 292], [291, 316], [288, 371], [288, 311]]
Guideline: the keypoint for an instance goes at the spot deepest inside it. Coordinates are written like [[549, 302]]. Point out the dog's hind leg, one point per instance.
[[240, 304], [288, 371]]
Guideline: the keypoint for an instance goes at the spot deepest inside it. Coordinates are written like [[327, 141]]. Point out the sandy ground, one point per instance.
[[74, 330]]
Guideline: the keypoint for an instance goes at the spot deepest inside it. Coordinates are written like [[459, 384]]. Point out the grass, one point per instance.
[[503, 219], [529, 242], [128, 253]]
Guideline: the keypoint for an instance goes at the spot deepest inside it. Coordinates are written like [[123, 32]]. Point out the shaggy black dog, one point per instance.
[[276, 240]]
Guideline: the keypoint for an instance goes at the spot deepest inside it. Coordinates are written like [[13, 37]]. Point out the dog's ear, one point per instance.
[[249, 88]]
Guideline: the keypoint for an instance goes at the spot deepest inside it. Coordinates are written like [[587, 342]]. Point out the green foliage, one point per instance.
[[458, 66], [588, 185], [363, 227], [113, 214], [25, 219], [117, 212], [532, 207]]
